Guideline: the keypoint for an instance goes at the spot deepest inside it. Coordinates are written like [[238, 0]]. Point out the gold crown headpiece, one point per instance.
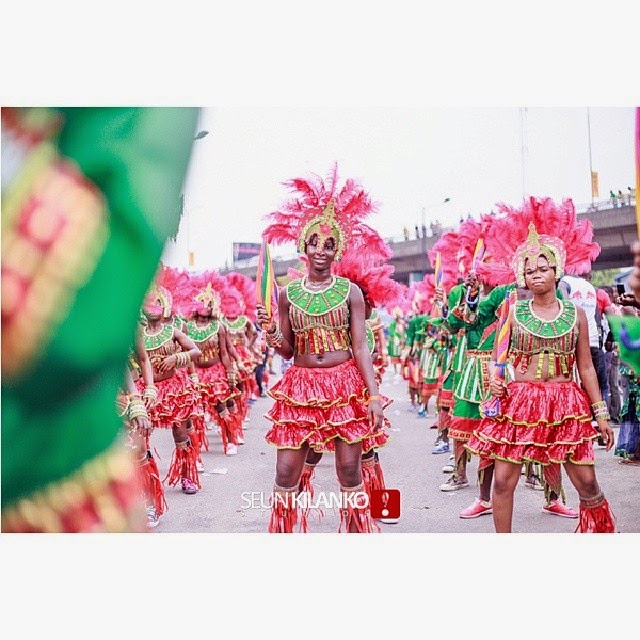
[[550, 247], [209, 298], [163, 296], [325, 226]]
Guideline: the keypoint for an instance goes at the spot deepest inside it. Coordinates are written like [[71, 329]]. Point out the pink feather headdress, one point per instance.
[[202, 294], [319, 207], [163, 291], [365, 264], [246, 287], [510, 231]]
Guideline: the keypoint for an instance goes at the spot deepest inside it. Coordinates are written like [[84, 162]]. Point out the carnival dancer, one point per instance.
[[175, 394], [544, 415], [133, 410], [469, 365], [395, 343], [429, 358], [176, 282], [330, 392], [364, 264], [501, 237], [445, 347], [550, 479], [410, 361], [238, 301], [200, 303]]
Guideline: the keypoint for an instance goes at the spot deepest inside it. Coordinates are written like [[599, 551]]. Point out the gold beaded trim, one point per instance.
[[62, 506]]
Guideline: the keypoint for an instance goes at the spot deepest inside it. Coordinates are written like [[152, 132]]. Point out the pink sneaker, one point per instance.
[[557, 509], [478, 508], [189, 487]]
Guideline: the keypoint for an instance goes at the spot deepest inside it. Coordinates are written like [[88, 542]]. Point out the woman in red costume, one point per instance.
[[201, 305], [363, 263], [545, 416], [174, 393], [238, 297], [134, 412], [177, 283], [330, 393]]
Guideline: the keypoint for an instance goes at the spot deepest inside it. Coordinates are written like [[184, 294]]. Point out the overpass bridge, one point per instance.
[[614, 230]]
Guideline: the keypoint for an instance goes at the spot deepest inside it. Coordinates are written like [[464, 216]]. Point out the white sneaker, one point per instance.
[[232, 450], [240, 440], [454, 484], [199, 465]]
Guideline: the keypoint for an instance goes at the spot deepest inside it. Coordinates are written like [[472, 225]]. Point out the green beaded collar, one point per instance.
[[200, 334], [563, 323], [317, 303], [156, 340], [235, 326]]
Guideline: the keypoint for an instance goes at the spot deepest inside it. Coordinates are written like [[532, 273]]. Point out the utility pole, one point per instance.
[[523, 148], [590, 159]]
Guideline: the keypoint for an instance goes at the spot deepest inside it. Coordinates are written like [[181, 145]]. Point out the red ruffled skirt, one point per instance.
[[317, 405], [178, 399], [545, 422], [214, 387]]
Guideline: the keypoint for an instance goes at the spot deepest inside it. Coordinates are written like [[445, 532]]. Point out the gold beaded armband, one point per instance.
[[137, 408], [151, 392], [183, 358], [600, 410]]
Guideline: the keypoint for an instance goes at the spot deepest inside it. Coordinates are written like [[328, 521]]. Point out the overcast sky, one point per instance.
[[407, 158]]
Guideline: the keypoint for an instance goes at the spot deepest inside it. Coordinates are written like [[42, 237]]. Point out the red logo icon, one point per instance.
[[385, 503]]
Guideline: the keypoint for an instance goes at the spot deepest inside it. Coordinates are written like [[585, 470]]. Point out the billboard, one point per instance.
[[244, 250]]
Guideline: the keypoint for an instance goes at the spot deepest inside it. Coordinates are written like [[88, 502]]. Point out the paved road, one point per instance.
[[408, 465]]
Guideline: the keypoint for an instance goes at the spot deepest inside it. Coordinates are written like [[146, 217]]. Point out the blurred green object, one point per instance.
[[58, 410], [626, 330]]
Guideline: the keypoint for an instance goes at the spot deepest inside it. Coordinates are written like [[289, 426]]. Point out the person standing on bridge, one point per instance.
[[330, 393]]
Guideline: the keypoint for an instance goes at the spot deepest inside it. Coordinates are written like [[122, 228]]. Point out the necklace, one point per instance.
[[234, 326], [155, 340], [562, 324], [201, 333], [318, 303], [560, 309], [319, 287], [547, 306]]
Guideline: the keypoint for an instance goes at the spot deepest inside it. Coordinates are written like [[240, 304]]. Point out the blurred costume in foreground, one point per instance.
[[88, 198]]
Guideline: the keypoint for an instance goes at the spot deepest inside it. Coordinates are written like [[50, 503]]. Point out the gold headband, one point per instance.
[[210, 298], [325, 226], [535, 246]]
